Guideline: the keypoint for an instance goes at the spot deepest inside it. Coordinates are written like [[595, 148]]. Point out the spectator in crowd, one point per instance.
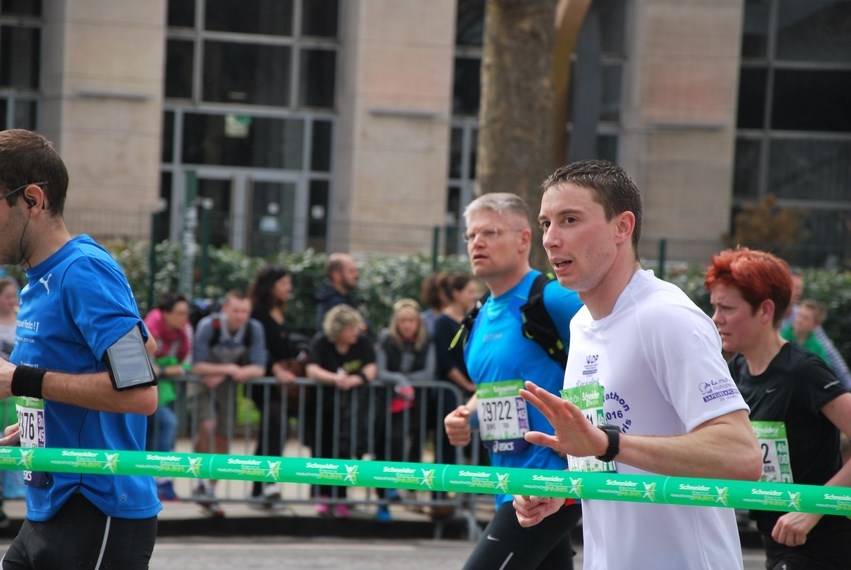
[[229, 349], [344, 360], [270, 294], [499, 354], [461, 291], [168, 324], [797, 404], [644, 349], [809, 317], [404, 354], [11, 479], [341, 279], [834, 358], [434, 298], [77, 314]]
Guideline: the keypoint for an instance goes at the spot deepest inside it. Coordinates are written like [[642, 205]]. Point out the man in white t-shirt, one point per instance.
[[654, 358]]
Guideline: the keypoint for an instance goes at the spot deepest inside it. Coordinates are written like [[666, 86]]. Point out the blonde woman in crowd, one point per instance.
[[344, 360], [404, 354]]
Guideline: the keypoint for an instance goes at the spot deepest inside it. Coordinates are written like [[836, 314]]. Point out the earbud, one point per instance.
[[30, 202]]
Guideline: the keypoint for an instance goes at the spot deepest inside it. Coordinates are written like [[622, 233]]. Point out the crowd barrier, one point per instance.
[[309, 419], [351, 439]]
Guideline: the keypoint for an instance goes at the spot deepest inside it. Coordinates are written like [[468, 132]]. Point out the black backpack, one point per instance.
[[537, 323]]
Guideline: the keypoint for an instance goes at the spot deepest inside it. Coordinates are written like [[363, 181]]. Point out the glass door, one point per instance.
[[261, 214], [272, 220]]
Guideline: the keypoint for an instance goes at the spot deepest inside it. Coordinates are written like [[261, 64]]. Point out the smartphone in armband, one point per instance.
[[128, 362]]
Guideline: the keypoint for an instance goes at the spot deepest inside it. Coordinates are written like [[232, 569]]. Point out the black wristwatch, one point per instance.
[[614, 435]]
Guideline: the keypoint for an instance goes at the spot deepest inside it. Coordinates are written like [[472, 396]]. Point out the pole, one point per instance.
[[435, 247], [190, 223], [152, 259], [204, 261], [663, 248]]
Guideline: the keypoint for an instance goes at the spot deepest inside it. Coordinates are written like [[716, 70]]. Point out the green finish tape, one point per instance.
[[438, 477]]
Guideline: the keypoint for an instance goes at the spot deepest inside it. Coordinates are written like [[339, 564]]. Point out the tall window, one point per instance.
[[793, 126], [597, 68], [20, 53], [250, 105], [469, 30]]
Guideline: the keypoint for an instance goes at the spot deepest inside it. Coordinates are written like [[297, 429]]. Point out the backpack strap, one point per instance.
[[217, 332], [468, 321], [538, 325]]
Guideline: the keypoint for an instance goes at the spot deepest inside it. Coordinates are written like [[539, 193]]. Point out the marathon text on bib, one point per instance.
[[589, 398]]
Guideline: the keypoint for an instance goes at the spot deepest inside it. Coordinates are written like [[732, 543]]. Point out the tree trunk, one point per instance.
[[516, 116]]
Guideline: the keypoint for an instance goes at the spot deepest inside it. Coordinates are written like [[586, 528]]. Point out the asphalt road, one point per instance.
[[249, 553], [205, 553]]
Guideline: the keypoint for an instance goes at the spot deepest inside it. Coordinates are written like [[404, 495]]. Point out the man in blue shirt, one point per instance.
[[77, 313], [499, 358]]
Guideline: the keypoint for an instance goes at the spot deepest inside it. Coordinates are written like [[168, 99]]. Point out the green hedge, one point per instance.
[[384, 279]]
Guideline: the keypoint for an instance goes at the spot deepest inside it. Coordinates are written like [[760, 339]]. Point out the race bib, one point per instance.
[[31, 424], [776, 466], [503, 417], [589, 398]]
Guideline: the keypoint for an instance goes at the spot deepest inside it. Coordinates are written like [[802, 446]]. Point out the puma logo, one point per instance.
[[44, 280]]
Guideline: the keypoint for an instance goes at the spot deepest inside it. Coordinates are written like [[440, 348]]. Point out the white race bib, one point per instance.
[[32, 434], [589, 398], [776, 467], [503, 417]]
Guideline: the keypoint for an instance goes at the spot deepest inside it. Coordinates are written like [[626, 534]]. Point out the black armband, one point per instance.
[[363, 377], [27, 381]]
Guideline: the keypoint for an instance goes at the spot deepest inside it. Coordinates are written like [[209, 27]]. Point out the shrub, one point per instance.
[[383, 279]]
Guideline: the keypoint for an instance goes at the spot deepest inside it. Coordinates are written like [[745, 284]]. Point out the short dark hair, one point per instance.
[[610, 186], [27, 157], [167, 301]]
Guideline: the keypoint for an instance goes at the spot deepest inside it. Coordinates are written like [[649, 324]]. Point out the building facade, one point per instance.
[[351, 125]]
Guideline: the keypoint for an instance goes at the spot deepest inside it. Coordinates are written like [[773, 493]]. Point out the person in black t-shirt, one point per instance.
[[798, 405], [270, 293], [344, 359]]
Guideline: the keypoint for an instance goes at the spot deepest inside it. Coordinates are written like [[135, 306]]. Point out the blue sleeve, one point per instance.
[[201, 342], [561, 304], [257, 350], [101, 302]]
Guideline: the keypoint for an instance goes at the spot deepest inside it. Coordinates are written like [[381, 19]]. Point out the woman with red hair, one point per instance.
[[798, 406]]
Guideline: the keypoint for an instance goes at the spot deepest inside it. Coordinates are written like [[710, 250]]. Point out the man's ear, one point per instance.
[[625, 226]]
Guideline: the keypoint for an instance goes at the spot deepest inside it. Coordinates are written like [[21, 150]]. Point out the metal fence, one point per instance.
[[311, 419]]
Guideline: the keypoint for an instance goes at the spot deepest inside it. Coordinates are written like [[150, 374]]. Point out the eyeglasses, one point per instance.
[[487, 235], [19, 188]]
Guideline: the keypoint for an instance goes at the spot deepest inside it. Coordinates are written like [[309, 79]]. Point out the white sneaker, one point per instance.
[[271, 493], [206, 499]]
